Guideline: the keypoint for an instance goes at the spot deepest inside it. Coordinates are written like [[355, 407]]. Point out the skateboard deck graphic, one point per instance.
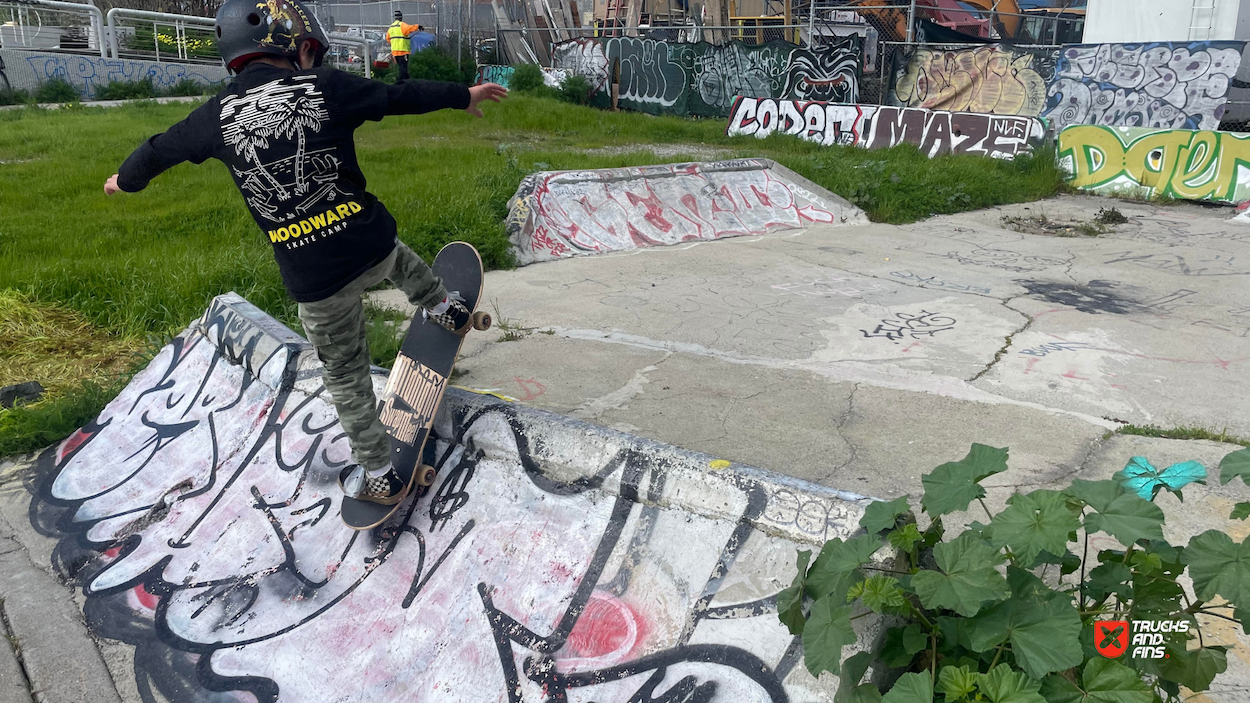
[[417, 382]]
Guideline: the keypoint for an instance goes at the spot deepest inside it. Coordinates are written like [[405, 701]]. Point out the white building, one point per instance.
[[1120, 21]]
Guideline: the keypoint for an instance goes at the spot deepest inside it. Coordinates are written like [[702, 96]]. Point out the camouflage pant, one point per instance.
[[336, 328]]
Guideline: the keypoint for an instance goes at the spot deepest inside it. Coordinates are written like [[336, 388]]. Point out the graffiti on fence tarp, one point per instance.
[[874, 127], [1140, 162], [992, 79], [703, 79], [29, 70], [1163, 85], [502, 75], [199, 513], [583, 57], [568, 213]]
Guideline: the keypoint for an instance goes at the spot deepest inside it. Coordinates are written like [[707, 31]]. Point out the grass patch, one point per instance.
[[1183, 433], [382, 325]]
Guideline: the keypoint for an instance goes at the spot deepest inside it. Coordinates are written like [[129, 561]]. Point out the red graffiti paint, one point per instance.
[[607, 631], [72, 443]]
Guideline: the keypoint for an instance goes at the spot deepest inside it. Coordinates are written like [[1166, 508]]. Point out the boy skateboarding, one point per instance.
[[284, 127]]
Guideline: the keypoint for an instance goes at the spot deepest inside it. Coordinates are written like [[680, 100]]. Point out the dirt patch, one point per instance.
[[1105, 221]]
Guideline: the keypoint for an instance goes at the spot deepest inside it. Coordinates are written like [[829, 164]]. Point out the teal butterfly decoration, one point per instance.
[[1141, 477]]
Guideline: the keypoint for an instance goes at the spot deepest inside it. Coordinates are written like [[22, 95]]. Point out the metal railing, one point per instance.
[[189, 39], [47, 24]]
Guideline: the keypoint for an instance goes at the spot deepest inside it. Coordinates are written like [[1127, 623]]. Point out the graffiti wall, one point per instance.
[[551, 560], [502, 75], [567, 213], [1140, 162], [995, 79], [877, 127], [27, 70], [703, 79], [1161, 85]]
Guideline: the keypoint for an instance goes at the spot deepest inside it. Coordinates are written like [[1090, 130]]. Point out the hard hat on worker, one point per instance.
[[247, 29]]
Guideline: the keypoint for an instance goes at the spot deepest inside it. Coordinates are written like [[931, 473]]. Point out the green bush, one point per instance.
[[126, 90], [14, 96], [527, 77], [964, 631], [431, 64], [575, 89], [188, 88], [57, 90]]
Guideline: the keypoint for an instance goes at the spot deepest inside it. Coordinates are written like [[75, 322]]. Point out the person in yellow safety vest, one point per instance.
[[401, 45]]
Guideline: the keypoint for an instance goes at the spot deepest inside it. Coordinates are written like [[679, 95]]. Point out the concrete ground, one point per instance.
[[862, 357], [856, 357]]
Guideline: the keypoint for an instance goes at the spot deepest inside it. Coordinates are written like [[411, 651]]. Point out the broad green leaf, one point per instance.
[[1068, 562], [1141, 477], [911, 688], [967, 579], [953, 485], [905, 537], [1241, 511], [1042, 626], [934, 533], [1004, 685], [1126, 516], [893, 652], [836, 569], [1194, 669], [1111, 577], [956, 682], [850, 690], [1103, 681], [1034, 522], [879, 592], [1234, 465], [828, 630], [790, 601], [914, 639], [882, 515], [954, 631], [1220, 567]]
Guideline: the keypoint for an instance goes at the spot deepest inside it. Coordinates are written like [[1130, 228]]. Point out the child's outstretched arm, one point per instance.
[[192, 139], [362, 99]]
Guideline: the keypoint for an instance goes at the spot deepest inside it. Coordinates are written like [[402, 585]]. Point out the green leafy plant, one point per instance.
[[57, 90], [575, 89], [1005, 612], [527, 77]]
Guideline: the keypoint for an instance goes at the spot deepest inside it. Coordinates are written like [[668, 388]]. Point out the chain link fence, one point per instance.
[[25, 26]]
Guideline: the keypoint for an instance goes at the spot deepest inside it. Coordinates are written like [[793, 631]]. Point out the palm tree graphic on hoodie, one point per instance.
[[261, 123]]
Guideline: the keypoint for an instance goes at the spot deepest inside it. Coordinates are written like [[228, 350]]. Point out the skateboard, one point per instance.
[[417, 381]]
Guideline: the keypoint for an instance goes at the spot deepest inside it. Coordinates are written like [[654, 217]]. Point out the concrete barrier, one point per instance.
[[551, 558], [557, 214], [27, 70]]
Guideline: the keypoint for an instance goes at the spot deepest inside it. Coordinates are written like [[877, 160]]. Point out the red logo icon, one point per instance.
[[1111, 637]]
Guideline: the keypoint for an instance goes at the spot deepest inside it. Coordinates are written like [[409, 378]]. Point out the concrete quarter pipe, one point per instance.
[[551, 561], [557, 214]]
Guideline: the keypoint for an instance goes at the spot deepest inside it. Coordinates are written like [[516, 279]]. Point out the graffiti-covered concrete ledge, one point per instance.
[[199, 515]]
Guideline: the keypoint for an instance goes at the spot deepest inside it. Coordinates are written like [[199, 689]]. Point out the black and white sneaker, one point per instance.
[[387, 489], [455, 318]]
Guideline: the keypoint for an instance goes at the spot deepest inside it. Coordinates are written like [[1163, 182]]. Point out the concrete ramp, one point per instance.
[[557, 214], [553, 560]]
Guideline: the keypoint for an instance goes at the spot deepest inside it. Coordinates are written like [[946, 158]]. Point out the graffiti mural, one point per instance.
[[1140, 162], [28, 70], [1164, 85], [199, 513], [704, 79], [994, 79], [502, 75], [566, 213], [875, 127]]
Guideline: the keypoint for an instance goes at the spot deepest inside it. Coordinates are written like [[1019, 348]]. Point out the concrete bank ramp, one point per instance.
[[552, 560], [557, 214]]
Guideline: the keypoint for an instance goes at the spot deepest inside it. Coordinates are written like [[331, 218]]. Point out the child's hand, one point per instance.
[[110, 186], [485, 91]]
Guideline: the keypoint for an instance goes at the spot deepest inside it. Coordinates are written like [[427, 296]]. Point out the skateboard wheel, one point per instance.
[[425, 475], [481, 320]]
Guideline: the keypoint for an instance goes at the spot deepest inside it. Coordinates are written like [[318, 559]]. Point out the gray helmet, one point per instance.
[[399, 15], [248, 28]]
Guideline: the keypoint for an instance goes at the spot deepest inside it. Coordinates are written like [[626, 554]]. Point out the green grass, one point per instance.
[[1183, 433]]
